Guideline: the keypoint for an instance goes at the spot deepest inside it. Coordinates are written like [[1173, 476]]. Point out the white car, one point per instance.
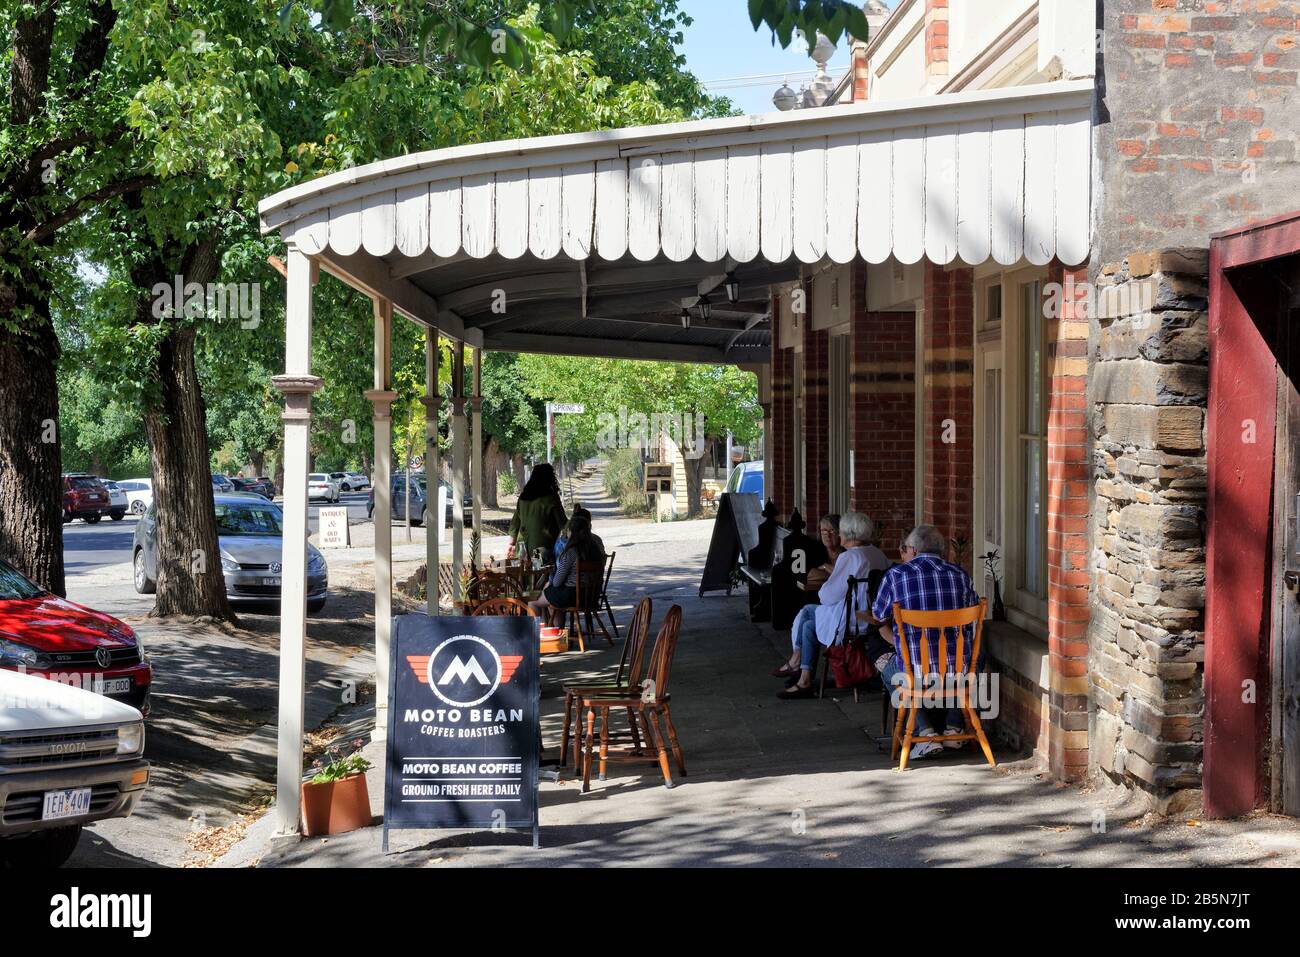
[[350, 481], [118, 503], [321, 486], [68, 756], [139, 494]]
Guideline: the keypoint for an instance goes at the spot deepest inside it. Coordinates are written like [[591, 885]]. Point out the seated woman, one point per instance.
[[818, 625], [828, 531], [563, 540], [562, 592]]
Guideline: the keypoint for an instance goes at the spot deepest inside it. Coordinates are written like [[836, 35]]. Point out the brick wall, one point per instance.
[[949, 418], [816, 416], [781, 447], [1198, 129], [882, 415], [1068, 489]]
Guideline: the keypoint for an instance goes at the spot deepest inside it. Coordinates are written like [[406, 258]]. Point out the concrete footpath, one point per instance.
[[797, 784]]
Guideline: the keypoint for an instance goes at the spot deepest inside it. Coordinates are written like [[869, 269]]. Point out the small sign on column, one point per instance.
[[334, 528]]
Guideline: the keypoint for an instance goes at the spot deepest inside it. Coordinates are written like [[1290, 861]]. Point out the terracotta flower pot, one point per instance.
[[335, 807]]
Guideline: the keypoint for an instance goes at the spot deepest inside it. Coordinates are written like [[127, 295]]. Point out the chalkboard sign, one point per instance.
[[463, 737], [735, 532]]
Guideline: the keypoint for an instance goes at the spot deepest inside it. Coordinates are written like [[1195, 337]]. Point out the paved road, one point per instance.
[[86, 547]]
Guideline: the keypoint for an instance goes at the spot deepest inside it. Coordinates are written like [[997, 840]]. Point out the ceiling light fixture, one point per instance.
[[705, 308], [732, 285], [686, 318]]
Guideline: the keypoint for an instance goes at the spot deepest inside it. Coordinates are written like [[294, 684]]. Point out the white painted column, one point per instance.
[[457, 468], [433, 528], [382, 396], [297, 385], [476, 447]]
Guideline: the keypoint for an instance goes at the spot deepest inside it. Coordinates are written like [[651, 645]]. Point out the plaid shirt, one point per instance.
[[926, 583]]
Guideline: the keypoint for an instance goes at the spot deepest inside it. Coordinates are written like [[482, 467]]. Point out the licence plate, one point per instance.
[[116, 686], [73, 802], [271, 581]]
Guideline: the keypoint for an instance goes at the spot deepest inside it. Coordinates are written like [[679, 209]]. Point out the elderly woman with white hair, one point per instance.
[[823, 624]]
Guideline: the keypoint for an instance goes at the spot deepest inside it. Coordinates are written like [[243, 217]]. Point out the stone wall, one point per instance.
[[1146, 636]]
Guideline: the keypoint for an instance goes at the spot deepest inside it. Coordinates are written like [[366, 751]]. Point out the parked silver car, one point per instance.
[[249, 530]]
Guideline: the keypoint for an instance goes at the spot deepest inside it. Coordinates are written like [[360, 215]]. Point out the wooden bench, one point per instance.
[[759, 578]]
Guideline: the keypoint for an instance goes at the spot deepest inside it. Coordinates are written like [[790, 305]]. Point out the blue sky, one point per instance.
[[722, 44]]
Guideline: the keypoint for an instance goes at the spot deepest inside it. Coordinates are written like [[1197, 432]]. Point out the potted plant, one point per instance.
[[336, 799], [990, 560]]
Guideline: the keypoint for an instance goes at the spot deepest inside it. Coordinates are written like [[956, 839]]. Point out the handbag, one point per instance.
[[848, 657]]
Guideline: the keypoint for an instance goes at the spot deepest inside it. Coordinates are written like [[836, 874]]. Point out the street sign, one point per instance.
[[334, 528], [463, 723], [568, 408]]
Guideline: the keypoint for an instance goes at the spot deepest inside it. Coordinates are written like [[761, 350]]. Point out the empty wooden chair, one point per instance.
[[908, 698], [648, 706], [490, 584], [585, 603], [631, 668], [604, 592], [503, 606]]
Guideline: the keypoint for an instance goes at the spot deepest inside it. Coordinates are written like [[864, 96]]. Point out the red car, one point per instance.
[[51, 637], [84, 496]]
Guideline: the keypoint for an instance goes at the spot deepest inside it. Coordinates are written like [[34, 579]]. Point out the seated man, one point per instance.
[[924, 582], [823, 625]]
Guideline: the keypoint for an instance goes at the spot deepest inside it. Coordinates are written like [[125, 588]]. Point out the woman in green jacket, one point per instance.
[[539, 516]]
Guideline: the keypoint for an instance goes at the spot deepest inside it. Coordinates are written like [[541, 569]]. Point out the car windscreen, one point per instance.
[[14, 585], [318, 477], [86, 482], [752, 482], [248, 519]]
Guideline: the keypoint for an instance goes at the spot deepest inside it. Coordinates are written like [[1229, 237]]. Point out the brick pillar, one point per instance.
[[936, 43], [816, 421], [781, 448], [882, 415], [861, 73], [949, 420], [1068, 474]]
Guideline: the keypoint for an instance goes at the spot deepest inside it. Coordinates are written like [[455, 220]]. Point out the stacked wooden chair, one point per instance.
[[648, 707], [909, 698], [626, 681]]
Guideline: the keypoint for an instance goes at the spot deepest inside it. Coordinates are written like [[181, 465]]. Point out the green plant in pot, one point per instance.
[[335, 799]]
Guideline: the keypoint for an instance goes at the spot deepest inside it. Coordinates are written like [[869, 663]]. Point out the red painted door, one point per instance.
[[1286, 530]]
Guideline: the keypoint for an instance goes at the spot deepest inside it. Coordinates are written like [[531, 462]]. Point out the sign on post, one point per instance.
[[463, 723], [568, 408], [334, 528]]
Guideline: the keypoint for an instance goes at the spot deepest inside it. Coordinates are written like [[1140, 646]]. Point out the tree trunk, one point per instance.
[[694, 477], [491, 467], [258, 463], [190, 580], [518, 464], [31, 486]]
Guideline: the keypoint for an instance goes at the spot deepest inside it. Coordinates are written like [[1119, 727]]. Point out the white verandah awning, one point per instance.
[[591, 244]]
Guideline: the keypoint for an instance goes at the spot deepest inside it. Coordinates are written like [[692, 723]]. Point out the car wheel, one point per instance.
[[137, 507], [315, 605], [424, 517], [93, 519], [118, 515], [143, 585], [44, 849]]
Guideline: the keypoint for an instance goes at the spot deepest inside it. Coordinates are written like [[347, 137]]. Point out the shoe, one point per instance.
[[923, 749], [794, 692], [781, 671], [954, 745]]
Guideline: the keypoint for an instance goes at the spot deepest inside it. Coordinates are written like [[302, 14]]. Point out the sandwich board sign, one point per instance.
[[463, 723], [334, 528]]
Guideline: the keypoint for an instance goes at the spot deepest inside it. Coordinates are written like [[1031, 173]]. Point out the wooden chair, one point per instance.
[[604, 593], [503, 606], [910, 698], [648, 706], [490, 584], [631, 668], [586, 603]]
